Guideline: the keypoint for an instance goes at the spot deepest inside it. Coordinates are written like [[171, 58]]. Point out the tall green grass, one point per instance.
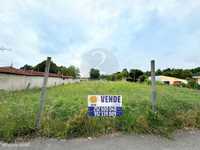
[[65, 114]]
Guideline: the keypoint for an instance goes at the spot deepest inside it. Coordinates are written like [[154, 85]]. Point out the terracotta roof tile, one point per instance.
[[11, 70]]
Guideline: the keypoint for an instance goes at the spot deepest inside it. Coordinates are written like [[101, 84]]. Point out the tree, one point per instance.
[[193, 84], [135, 73], [125, 73], [186, 74], [41, 67], [94, 74], [67, 71], [142, 78], [107, 77], [147, 73], [62, 70], [117, 76], [158, 72], [70, 71], [178, 73], [27, 67], [103, 76], [196, 71]]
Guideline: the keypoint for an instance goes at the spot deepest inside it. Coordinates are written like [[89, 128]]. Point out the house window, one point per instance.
[[166, 82]]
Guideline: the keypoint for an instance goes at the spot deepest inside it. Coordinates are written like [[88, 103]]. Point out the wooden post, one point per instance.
[[153, 86], [43, 94]]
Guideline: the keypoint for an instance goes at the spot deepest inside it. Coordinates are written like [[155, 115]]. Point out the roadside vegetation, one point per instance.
[[136, 75], [65, 113], [132, 75]]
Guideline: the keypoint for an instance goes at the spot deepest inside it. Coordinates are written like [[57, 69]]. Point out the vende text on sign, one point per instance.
[[105, 105]]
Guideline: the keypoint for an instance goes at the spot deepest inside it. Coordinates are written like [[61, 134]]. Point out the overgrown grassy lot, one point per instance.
[[65, 113]]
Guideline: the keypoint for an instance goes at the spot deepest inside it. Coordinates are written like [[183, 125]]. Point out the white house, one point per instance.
[[197, 78], [170, 80]]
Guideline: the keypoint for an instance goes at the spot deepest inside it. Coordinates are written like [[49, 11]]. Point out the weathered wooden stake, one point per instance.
[[43, 94], [153, 84]]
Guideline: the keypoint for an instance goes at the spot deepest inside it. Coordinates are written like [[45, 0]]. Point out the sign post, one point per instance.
[[43, 94], [105, 105], [153, 86]]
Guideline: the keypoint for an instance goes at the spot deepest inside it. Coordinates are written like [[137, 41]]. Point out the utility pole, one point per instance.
[[153, 86], [43, 94]]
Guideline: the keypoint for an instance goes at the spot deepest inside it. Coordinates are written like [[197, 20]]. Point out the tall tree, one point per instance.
[[70, 71], [41, 67], [196, 71], [135, 74], [125, 73], [94, 74], [158, 72]]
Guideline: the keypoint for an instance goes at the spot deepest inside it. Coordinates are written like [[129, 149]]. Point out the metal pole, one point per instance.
[[153, 86], [43, 94]]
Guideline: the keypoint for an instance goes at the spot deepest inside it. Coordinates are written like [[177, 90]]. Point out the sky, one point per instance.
[[126, 33]]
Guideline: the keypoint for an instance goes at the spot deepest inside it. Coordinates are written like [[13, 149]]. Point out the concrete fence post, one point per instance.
[[153, 86], [43, 94]]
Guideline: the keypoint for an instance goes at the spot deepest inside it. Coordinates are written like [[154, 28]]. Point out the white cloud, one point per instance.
[[100, 19]]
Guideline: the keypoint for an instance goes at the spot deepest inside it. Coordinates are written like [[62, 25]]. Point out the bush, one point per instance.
[[142, 78], [193, 84]]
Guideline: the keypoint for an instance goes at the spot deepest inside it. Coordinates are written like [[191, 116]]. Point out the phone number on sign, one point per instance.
[[105, 111]]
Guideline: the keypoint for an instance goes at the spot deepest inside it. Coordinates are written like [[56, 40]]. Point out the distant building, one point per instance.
[[170, 80], [197, 78]]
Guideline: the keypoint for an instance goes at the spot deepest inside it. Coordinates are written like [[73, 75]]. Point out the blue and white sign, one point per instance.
[[105, 105]]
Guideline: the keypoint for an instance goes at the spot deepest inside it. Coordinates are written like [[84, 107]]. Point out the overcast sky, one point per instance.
[[134, 31]]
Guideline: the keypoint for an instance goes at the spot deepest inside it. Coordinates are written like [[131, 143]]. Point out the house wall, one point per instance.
[[172, 80], [18, 82], [198, 80]]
